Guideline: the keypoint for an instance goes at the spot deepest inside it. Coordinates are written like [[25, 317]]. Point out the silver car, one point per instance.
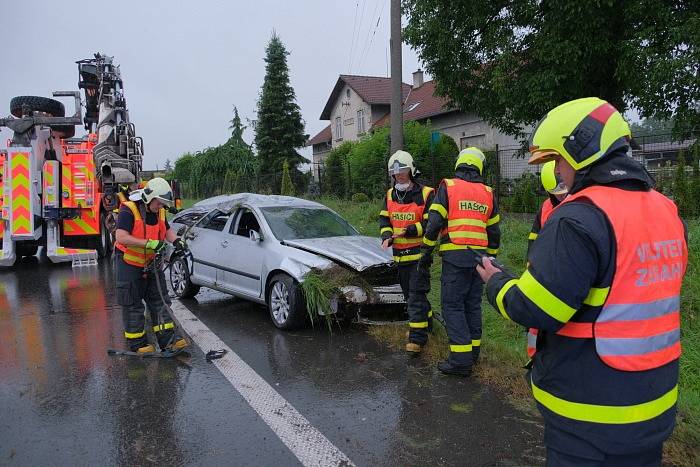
[[261, 248]]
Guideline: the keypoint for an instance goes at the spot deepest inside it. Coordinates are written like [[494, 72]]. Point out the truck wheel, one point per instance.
[[26, 249], [286, 303], [105, 245], [180, 279], [37, 104], [65, 131]]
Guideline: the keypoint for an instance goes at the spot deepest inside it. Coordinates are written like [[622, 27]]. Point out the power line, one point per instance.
[[352, 43], [369, 31], [376, 26], [359, 28]]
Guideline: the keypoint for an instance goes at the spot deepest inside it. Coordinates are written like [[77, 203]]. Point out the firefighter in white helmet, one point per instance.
[[142, 230], [401, 224]]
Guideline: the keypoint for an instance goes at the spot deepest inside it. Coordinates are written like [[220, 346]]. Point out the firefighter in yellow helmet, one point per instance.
[[603, 289], [465, 215], [142, 230], [556, 191], [401, 226]]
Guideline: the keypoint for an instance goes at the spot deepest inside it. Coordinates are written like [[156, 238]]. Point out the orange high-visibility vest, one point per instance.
[[638, 327], [469, 208], [547, 208], [140, 256], [403, 215], [531, 342]]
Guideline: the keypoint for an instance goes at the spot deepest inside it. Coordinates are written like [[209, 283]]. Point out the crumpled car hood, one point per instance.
[[358, 252]]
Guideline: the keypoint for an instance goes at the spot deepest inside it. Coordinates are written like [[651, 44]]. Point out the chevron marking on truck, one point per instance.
[[67, 184], [70, 251], [49, 193], [21, 209], [79, 226]]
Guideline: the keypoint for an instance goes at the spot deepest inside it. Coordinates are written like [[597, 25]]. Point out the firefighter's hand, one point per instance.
[[179, 245], [386, 243], [486, 269], [155, 245], [425, 261]]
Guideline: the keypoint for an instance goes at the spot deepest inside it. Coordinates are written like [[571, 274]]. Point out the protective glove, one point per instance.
[[155, 245], [179, 245]]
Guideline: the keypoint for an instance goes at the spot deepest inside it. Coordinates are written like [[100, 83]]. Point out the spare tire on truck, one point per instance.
[[37, 104]]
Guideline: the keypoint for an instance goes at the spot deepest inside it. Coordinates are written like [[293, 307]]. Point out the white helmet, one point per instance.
[[158, 188], [401, 160]]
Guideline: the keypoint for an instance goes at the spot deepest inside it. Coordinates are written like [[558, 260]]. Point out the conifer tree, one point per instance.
[[279, 130]]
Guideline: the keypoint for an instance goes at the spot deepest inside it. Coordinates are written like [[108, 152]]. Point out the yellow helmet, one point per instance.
[[581, 131], [471, 156], [401, 160], [158, 188], [549, 180]]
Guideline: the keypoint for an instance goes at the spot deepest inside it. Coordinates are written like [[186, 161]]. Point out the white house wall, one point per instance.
[[348, 116]]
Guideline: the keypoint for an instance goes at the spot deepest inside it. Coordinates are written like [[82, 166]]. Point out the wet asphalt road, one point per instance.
[[64, 401]]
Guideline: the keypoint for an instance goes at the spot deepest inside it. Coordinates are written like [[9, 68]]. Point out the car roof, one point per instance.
[[228, 202]]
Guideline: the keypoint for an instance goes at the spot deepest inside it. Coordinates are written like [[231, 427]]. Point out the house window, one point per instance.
[[361, 122], [338, 128]]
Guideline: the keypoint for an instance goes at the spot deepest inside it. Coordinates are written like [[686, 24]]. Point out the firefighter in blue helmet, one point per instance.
[[602, 287], [465, 214]]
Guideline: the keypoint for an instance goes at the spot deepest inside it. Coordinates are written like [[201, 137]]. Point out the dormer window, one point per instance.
[[411, 107]]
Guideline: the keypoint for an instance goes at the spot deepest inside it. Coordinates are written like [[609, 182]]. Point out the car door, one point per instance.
[[243, 258], [206, 240]]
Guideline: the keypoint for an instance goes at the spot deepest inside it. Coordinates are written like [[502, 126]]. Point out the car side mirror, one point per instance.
[[254, 235]]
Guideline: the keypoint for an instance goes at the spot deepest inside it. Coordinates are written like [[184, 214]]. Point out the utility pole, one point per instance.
[[396, 84]]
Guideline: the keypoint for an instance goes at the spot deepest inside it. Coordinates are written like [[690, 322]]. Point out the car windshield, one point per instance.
[[290, 223]]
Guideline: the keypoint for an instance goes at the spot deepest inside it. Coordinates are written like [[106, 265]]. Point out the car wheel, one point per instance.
[[286, 303], [180, 279]]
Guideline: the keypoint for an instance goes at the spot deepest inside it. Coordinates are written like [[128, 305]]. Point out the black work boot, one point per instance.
[[449, 369]]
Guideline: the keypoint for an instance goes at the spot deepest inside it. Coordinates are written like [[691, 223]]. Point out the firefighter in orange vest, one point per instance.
[[465, 215], [142, 230], [603, 288], [401, 225], [557, 191]]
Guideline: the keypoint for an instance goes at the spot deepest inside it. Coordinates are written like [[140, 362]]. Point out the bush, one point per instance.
[[524, 197], [333, 181], [287, 188], [360, 198], [368, 158], [682, 192]]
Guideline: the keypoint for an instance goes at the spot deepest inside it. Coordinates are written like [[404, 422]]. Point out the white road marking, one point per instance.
[[293, 429]]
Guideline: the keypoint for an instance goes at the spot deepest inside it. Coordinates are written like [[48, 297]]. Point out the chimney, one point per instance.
[[417, 78]]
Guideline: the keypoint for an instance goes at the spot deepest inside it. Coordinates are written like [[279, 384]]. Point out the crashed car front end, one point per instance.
[[362, 276]]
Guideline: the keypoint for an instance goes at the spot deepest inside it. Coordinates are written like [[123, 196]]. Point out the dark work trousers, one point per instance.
[[420, 314], [132, 291], [461, 289], [408, 273], [566, 450]]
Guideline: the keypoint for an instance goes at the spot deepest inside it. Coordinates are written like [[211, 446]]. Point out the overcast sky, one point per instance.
[[186, 64]]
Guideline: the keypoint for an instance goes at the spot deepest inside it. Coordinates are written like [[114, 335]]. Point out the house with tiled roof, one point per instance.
[[359, 103]]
